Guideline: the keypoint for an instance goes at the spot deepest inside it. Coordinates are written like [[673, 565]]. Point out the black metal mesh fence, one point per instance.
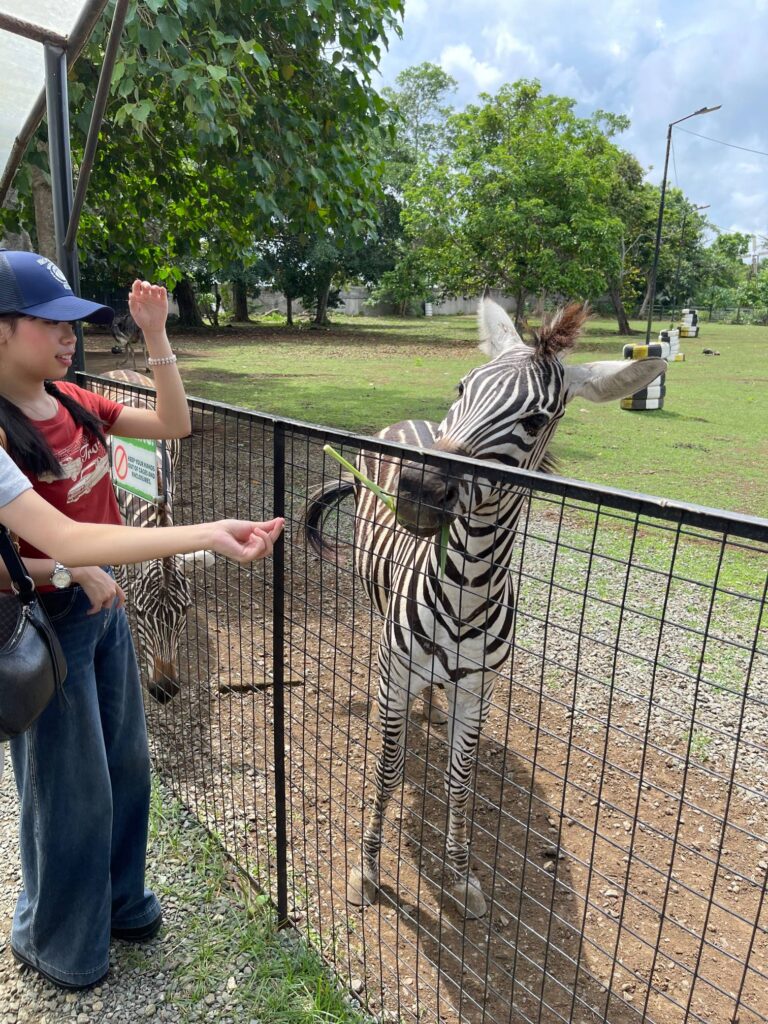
[[618, 807]]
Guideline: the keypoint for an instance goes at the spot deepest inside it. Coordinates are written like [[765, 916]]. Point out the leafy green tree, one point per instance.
[[227, 121], [420, 114], [753, 293], [522, 200], [636, 205]]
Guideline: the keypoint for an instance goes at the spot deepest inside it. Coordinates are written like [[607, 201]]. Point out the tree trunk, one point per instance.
[[43, 200], [621, 315], [643, 311], [289, 310], [520, 311], [240, 300], [321, 317], [189, 314]]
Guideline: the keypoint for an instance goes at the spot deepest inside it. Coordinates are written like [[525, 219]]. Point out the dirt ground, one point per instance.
[[626, 878]]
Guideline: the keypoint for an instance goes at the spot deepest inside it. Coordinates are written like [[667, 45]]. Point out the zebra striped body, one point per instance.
[[157, 590], [455, 628]]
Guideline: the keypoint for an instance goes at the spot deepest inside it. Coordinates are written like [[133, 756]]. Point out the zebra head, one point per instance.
[[507, 411], [161, 596]]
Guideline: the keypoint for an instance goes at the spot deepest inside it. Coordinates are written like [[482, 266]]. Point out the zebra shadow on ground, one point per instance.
[[527, 958]]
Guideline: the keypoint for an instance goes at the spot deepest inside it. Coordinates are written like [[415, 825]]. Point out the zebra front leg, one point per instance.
[[363, 883], [465, 727]]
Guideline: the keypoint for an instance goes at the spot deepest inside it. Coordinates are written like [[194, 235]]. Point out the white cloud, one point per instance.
[[460, 59], [415, 10], [506, 44]]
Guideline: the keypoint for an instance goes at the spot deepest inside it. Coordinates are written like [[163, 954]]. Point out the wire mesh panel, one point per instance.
[[617, 791], [612, 771]]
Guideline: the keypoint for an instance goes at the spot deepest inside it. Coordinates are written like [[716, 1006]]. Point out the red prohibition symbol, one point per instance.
[[121, 462]]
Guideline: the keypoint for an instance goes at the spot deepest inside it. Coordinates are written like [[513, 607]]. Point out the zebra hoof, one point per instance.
[[361, 889], [469, 896]]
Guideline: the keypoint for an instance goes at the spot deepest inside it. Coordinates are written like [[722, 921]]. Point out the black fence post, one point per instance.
[[278, 677]]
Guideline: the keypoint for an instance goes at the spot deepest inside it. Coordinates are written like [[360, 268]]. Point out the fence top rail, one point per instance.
[[683, 514]]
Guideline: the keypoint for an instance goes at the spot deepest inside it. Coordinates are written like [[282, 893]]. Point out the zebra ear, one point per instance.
[[608, 381], [497, 332]]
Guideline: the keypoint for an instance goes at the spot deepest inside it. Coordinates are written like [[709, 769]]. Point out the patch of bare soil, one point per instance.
[[625, 876]]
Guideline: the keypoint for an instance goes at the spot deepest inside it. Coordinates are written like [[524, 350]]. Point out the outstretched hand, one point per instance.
[[148, 304], [244, 541]]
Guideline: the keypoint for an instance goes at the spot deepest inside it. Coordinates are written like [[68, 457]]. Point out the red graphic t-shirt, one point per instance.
[[85, 490]]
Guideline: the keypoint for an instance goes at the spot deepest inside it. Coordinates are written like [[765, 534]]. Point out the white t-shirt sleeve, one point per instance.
[[12, 480]]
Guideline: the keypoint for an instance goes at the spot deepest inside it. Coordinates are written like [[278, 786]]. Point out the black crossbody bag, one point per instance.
[[32, 664]]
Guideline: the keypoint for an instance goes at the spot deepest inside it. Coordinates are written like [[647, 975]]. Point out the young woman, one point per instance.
[[82, 770]]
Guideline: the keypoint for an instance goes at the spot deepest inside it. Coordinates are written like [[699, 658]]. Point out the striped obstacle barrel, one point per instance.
[[689, 324], [656, 348], [672, 338], [651, 397]]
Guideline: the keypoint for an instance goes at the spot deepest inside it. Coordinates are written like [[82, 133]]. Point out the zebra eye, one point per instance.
[[460, 388], [534, 424]]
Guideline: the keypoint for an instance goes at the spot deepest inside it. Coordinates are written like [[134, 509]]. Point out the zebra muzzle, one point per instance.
[[164, 684], [426, 500]]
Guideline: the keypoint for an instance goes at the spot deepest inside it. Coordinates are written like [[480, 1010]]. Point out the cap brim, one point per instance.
[[71, 307]]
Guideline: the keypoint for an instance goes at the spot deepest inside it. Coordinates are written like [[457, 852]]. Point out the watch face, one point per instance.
[[61, 578]]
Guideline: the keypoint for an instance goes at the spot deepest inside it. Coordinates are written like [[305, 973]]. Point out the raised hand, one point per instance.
[[148, 304]]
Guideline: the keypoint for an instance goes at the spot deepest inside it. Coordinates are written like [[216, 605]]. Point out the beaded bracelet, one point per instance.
[[161, 361]]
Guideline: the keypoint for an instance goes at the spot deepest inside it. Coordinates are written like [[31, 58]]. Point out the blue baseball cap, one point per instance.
[[34, 286]]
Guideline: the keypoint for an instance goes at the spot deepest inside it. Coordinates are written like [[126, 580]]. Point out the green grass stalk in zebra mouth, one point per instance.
[[389, 500]]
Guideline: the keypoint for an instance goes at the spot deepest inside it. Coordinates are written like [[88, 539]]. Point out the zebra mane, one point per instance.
[[549, 464], [559, 332]]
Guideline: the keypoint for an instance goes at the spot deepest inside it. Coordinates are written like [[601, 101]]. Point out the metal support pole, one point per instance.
[[679, 262], [97, 116], [652, 292], [657, 245], [60, 159], [278, 679]]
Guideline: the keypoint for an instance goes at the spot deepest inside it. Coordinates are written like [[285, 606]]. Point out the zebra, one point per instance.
[[452, 625], [158, 590]]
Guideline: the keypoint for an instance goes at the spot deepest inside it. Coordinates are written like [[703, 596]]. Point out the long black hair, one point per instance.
[[26, 445]]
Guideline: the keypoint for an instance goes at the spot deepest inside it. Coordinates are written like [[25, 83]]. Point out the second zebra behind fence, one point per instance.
[[158, 591]]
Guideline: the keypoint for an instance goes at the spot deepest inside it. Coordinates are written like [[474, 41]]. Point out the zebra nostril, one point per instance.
[[451, 495]]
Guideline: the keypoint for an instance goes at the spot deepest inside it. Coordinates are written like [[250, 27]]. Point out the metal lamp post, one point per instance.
[[686, 211], [652, 292]]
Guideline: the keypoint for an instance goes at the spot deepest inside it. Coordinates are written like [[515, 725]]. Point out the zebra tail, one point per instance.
[[320, 502]]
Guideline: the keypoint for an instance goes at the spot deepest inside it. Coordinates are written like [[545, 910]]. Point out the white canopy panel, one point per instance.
[[22, 62]]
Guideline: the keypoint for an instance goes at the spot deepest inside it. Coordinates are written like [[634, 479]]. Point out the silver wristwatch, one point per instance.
[[61, 577]]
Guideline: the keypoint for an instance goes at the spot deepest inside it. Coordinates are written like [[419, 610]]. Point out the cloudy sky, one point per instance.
[[654, 61]]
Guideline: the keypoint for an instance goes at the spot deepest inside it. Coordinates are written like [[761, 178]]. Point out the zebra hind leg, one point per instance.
[[363, 882]]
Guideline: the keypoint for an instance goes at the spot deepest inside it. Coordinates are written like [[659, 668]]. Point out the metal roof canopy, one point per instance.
[[39, 41]]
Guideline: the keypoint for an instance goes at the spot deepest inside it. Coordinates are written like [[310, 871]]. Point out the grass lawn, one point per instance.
[[708, 445]]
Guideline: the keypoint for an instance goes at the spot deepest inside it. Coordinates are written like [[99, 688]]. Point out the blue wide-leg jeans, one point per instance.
[[82, 772]]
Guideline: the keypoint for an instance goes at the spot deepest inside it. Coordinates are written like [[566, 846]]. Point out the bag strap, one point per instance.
[[22, 582]]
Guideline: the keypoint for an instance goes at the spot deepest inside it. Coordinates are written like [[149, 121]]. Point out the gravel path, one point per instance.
[[167, 980]]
